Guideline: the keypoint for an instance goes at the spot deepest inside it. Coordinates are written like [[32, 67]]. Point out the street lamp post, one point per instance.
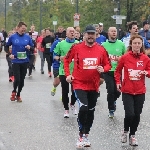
[[5, 15], [118, 13], [77, 6], [40, 15]]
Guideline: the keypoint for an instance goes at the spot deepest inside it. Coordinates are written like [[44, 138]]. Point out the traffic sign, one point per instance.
[[55, 18], [54, 23], [118, 17], [76, 17], [118, 21]]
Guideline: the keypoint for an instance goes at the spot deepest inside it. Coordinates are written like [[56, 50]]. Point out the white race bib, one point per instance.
[[90, 63], [134, 74]]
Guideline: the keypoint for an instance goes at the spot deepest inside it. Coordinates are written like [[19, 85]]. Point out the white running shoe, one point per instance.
[[133, 141], [124, 137], [80, 142], [86, 142], [66, 114], [74, 111]]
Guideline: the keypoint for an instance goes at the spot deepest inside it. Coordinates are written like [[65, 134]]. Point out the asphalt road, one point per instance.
[[38, 124]]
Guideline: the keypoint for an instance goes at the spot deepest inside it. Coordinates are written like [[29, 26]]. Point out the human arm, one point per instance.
[[147, 46], [30, 45], [68, 59], [147, 70], [118, 73], [57, 52], [105, 61], [43, 44], [53, 46]]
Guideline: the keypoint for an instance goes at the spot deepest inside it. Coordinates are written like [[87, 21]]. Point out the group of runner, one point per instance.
[[84, 61]]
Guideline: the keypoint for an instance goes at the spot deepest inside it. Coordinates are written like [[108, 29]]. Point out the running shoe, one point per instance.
[[13, 96], [86, 142], [30, 75], [50, 74], [133, 141], [18, 98], [13, 78], [80, 142], [74, 111], [124, 137], [66, 114], [111, 114], [42, 72], [53, 91], [10, 79]]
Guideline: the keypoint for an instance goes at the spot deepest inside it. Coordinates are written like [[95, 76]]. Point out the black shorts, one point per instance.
[[56, 72]]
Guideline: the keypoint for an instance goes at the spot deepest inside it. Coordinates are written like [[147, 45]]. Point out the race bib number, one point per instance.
[[48, 45], [134, 74], [113, 58], [21, 55], [90, 63]]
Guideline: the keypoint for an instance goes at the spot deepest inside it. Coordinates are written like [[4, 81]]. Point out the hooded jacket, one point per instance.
[[133, 64]]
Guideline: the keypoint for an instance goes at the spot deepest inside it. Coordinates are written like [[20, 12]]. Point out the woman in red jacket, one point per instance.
[[136, 66]]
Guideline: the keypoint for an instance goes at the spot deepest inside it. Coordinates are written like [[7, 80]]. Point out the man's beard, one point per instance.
[[90, 43]]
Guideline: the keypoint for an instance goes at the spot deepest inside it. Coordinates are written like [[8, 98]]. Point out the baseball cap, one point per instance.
[[90, 28], [145, 22], [101, 24]]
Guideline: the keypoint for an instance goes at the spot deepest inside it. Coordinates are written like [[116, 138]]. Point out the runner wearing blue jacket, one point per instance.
[[133, 29], [56, 63], [21, 45]]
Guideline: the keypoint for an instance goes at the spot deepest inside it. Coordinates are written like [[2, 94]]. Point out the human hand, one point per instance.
[[69, 78]]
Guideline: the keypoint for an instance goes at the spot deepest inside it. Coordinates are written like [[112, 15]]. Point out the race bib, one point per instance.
[[134, 74], [48, 45], [21, 55], [90, 63], [113, 58]]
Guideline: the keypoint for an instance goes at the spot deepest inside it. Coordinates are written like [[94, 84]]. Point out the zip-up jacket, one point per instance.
[[145, 33], [46, 43], [86, 59], [56, 63], [18, 43], [133, 64], [126, 40], [39, 42]]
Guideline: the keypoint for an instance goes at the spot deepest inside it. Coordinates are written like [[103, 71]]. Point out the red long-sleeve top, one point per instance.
[[133, 64], [86, 59]]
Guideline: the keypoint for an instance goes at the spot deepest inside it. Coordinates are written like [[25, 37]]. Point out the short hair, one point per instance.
[[21, 23], [130, 24], [47, 29], [77, 28]]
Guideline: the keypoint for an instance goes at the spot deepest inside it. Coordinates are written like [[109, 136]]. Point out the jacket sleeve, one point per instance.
[[106, 61], [148, 68], [9, 43], [146, 43], [43, 43], [118, 71], [57, 50], [53, 46], [68, 59]]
